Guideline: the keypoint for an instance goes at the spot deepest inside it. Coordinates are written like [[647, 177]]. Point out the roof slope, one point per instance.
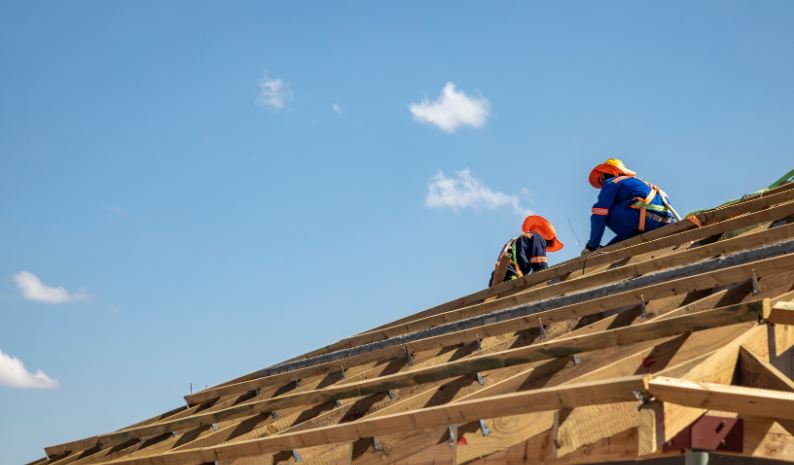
[[630, 352]]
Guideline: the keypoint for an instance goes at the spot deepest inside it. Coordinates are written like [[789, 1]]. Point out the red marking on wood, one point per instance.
[[463, 442], [649, 361], [764, 352]]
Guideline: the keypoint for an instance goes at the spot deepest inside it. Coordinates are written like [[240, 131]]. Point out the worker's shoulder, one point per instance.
[[532, 237]]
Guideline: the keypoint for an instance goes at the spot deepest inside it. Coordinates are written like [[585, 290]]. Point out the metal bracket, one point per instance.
[[338, 404], [542, 333], [377, 443], [755, 282], [479, 379], [484, 428], [140, 439], [296, 455], [174, 433], [642, 306], [274, 414], [297, 384], [391, 394], [215, 427], [257, 392], [640, 397], [576, 359], [343, 373], [479, 347], [408, 354], [453, 430]]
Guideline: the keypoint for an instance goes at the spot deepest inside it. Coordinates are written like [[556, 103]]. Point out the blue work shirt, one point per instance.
[[614, 211], [531, 251]]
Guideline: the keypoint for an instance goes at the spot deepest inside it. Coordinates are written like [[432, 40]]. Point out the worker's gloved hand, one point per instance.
[[587, 249]]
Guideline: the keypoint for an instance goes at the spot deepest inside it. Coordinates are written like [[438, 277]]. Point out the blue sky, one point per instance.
[[190, 191]]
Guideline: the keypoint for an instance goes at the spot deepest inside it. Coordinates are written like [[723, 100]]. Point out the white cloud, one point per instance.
[[274, 93], [33, 289], [337, 109], [14, 374], [452, 109], [465, 191]]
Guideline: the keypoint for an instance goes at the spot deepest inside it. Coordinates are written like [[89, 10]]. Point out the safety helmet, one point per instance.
[[541, 226], [612, 166]]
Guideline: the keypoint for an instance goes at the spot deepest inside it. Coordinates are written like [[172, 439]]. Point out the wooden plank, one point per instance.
[[768, 439], [706, 280], [743, 400], [773, 197], [782, 314], [764, 268], [78, 445], [672, 230], [559, 348], [616, 390], [680, 352], [756, 373]]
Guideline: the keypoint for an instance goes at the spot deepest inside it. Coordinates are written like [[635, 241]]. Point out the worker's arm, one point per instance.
[[598, 219]]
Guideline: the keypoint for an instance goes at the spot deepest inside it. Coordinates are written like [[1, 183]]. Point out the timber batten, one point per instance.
[[639, 342]]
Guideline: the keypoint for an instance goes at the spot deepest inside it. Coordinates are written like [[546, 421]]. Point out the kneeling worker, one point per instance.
[[527, 252], [627, 205]]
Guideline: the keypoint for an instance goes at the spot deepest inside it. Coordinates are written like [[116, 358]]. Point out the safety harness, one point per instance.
[[645, 204], [513, 254]]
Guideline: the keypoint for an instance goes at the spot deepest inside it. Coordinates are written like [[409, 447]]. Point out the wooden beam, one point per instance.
[[782, 313], [78, 445], [756, 373], [649, 241], [611, 391], [767, 438], [660, 238], [707, 280], [559, 348], [764, 268], [743, 400], [676, 356]]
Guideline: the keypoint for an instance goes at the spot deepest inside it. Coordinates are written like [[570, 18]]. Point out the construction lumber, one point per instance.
[[607, 254], [746, 312], [594, 366], [647, 242], [600, 392], [743, 400], [81, 444], [782, 313], [501, 269], [509, 320], [754, 372], [688, 276]]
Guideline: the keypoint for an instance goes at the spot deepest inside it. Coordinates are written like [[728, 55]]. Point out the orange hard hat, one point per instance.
[[541, 226], [612, 166]]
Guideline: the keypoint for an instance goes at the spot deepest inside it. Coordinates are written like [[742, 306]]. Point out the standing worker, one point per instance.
[[627, 205], [527, 252]]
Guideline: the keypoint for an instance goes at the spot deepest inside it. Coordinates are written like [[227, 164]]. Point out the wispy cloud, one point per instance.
[[452, 109], [337, 109], [274, 93], [33, 289], [463, 191], [14, 374]]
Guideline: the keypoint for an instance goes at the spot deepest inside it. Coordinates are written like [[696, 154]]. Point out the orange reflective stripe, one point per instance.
[[600, 211], [618, 179], [642, 219], [537, 260]]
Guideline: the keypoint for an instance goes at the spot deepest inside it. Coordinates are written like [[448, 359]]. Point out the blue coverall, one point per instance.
[[614, 211], [531, 251]]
